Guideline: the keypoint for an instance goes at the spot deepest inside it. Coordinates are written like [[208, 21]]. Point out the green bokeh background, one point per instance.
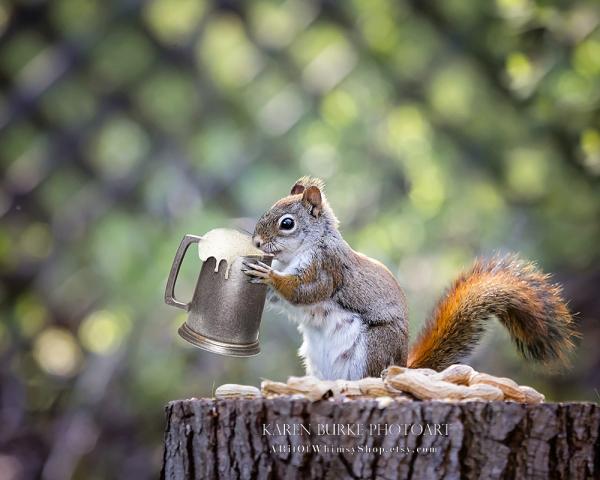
[[444, 130]]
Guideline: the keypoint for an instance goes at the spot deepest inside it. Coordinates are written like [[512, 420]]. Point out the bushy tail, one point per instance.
[[515, 292]]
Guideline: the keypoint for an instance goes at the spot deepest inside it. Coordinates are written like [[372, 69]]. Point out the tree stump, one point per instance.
[[297, 439]]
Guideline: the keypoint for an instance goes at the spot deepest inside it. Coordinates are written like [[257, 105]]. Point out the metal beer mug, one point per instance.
[[224, 313]]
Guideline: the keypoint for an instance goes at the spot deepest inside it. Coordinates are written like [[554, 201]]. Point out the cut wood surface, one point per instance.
[[248, 438]]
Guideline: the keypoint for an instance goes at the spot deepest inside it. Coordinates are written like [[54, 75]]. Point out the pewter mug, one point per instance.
[[224, 313]]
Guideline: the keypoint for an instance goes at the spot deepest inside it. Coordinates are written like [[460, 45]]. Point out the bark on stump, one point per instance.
[[226, 439]]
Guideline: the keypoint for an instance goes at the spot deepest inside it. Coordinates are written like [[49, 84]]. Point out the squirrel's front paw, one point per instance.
[[258, 272]]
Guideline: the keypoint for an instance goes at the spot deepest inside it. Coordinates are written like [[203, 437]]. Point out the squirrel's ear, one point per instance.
[[312, 196], [297, 188]]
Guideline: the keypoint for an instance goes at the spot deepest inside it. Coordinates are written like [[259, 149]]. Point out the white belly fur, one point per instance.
[[334, 345]]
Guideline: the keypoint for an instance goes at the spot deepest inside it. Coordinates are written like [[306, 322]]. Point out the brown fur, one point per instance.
[[290, 286], [515, 292], [519, 295], [371, 290], [308, 181]]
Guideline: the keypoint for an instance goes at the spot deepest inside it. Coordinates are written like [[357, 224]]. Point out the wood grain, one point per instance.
[[224, 439]]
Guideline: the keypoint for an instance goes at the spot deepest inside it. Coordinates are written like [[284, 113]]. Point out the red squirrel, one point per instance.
[[352, 312]]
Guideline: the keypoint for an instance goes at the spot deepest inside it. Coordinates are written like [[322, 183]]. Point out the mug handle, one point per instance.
[[170, 289]]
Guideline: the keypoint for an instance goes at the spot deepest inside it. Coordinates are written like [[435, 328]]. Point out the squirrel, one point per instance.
[[352, 311]]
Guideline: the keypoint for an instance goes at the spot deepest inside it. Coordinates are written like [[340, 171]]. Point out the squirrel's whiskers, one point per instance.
[[352, 312]]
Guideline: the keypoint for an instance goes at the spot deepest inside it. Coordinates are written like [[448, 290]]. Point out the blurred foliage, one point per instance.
[[445, 129]]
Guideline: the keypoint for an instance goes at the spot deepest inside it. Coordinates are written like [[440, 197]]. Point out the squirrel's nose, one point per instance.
[[258, 241]]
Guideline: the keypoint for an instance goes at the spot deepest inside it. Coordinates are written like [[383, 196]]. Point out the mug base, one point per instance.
[[214, 346]]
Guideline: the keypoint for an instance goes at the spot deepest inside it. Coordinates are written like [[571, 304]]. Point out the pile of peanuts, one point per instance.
[[456, 383]]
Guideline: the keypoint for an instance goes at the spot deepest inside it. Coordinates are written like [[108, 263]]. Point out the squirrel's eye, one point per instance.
[[286, 223]]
